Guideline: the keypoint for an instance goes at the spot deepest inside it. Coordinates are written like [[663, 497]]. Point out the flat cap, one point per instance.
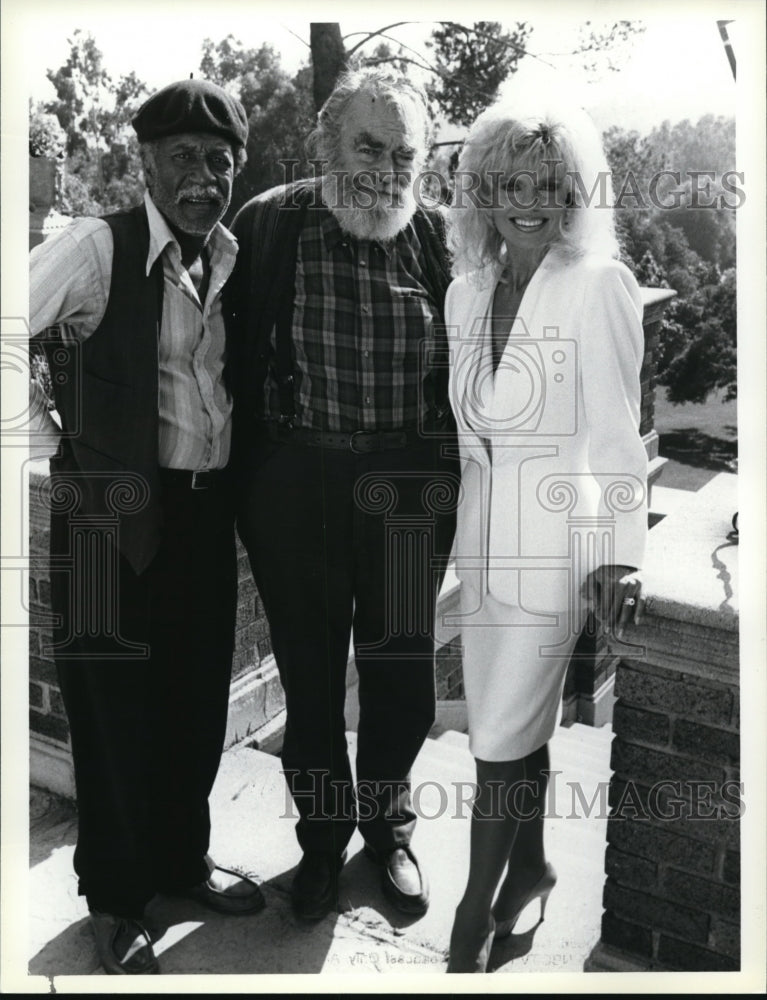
[[191, 106]]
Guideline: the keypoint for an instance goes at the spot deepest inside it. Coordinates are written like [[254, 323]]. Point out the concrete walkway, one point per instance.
[[253, 830]]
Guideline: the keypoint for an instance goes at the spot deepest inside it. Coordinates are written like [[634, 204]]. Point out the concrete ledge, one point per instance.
[[50, 766], [268, 739], [691, 574]]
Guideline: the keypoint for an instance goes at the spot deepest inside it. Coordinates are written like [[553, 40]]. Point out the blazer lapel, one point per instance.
[[519, 382], [474, 363]]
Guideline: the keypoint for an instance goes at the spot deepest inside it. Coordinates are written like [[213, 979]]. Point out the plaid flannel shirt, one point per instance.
[[362, 321]]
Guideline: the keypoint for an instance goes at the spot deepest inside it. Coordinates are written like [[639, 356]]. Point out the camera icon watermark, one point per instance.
[[28, 364], [533, 391]]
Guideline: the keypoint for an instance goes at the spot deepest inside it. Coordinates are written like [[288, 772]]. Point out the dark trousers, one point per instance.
[[147, 730], [348, 545]]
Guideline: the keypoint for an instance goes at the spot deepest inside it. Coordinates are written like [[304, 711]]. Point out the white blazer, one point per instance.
[[553, 467]]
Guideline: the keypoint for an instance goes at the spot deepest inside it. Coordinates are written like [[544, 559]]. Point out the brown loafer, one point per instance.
[[124, 946], [402, 880], [227, 892]]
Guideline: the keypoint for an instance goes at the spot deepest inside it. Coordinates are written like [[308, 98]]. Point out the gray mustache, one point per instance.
[[199, 192]]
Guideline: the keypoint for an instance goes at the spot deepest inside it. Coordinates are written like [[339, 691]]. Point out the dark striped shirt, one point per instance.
[[362, 324]]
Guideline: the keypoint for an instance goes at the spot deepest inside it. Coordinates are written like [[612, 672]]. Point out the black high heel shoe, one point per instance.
[[472, 960], [504, 925]]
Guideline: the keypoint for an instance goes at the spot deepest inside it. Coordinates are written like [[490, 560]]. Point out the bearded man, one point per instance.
[[347, 484], [130, 306]]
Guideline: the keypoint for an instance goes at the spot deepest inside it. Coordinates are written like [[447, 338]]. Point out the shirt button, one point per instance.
[[366, 309], [366, 354], [367, 399], [363, 263]]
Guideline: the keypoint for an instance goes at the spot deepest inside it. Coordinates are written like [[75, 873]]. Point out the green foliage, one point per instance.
[[709, 360], [279, 108], [470, 64], [709, 144], [46, 136], [701, 154], [102, 169], [82, 88], [604, 46], [687, 249]]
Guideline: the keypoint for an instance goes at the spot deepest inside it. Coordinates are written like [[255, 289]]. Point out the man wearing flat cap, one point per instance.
[[143, 566]]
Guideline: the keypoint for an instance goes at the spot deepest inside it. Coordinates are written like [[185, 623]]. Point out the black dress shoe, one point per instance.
[[227, 892], [314, 892], [402, 881], [123, 944]]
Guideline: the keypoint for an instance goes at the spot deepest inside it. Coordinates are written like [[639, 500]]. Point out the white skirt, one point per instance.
[[514, 667]]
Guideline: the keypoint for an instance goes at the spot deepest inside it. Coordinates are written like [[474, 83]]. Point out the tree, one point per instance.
[[82, 90], [471, 62], [279, 109], [697, 345], [603, 46], [46, 136], [701, 154], [329, 58], [470, 65], [709, 360], [102, 169]]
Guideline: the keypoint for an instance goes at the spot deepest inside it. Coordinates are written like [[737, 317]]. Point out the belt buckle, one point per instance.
[[351, 442], [202, 485]]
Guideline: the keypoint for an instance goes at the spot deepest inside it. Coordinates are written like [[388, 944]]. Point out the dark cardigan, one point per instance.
[[261, 293]]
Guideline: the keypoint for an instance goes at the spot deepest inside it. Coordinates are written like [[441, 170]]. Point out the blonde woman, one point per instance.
[[547, 345]]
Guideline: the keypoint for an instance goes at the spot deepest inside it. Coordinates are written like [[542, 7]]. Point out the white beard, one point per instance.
[[380, 221]]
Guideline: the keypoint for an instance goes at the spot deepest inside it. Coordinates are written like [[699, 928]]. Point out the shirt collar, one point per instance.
[[161, 236]]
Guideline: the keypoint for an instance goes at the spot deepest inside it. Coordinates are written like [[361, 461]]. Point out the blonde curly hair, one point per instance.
[[505, 139]]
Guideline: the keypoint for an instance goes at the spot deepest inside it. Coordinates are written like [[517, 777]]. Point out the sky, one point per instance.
[[677, 69]]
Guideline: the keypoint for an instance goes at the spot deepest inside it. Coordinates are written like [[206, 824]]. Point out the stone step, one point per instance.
[[253, 828]]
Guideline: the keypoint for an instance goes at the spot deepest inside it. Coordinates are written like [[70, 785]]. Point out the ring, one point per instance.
[[629, 602]]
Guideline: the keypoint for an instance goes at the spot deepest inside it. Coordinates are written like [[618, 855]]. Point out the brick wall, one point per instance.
[[673, 861], [672, 866], [448, 670]]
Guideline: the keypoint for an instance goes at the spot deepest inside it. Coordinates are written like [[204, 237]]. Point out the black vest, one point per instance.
[[106, 392]]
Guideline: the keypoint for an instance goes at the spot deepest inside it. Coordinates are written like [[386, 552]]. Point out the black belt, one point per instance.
[[358, 442], [205, 479]]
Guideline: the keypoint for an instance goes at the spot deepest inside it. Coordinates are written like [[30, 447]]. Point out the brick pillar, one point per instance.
[[671, 897], [654, 301]]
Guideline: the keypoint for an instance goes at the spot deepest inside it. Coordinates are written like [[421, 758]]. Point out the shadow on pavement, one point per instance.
[[52, 824], [696, 448], [189, 939]]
